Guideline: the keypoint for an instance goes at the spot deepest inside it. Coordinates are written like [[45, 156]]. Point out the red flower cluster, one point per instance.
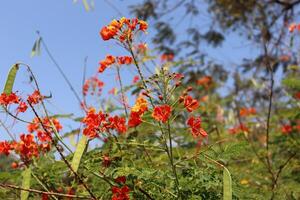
[[122, 29], [140, 107], [109, 60], [124, 60], [26, 148], [190, 104], [162, 113], [22, 107], [100, 122], [5, 147], [195, 127], [287, 128], [35, 98], [120, 193], [247, 111], [238, 129], [6, 99], [95, 84]]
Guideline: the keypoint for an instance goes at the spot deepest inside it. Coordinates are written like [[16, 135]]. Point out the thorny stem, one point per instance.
[[61, 154], [122, 90], [42, 192]]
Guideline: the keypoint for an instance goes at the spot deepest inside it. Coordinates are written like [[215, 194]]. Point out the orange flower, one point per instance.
[[162, 113], [122, 29], [167, 57], [109, 60], [140, 106], [247, 111], [190, 104], [205, 81], [143, 25], [195, 127], [35, 97]]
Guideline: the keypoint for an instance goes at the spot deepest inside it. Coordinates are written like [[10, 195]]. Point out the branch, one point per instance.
[[42, 192]]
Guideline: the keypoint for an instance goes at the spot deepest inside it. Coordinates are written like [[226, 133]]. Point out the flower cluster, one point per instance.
[[94, 84], [286, 129], [247, 111], [137, 111], [96, 123], [123, 29], [7, 99], [110, 60], [45, 129], [120, 193], [26, 148]]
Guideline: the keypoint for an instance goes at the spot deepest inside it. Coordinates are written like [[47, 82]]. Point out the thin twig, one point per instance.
[[42, 192]]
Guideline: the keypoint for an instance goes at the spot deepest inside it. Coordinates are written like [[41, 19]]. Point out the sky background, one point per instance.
[[71, 34]]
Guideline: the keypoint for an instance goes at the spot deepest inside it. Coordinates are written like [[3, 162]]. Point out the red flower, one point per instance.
[[6, 99], [162, 113], [35, 98], [297, 95], [195, 127], [190, 104], [27, 147], [22, 107], [14, 165], [5, 148], [118, 123], [120, 193], [135, 79], [93, 122], [124, 60], [286, 129], [134, 119]]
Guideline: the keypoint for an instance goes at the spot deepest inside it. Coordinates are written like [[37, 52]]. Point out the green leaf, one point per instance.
[[26, 174], [227, 187], [79, 152], [36, 49], [86, 5], [11, 79]]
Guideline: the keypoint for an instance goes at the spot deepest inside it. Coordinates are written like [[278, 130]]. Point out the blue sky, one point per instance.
[[71, 34]]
